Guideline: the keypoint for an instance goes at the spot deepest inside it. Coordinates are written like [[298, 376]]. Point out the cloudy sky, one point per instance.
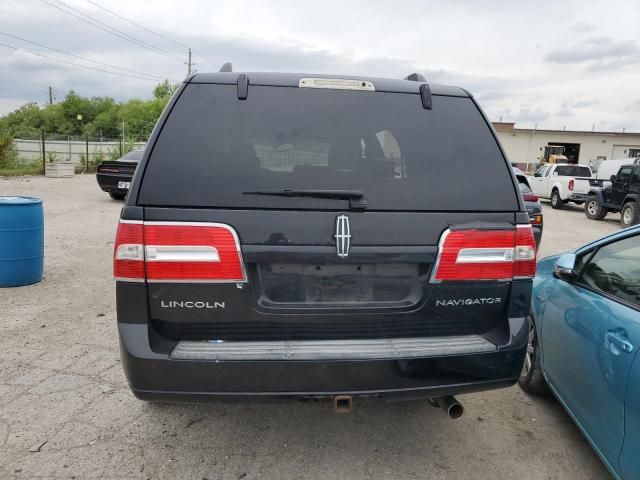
[[556, 64]]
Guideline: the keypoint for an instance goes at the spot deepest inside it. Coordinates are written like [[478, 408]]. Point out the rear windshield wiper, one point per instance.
[[339, 194], [355, 197]]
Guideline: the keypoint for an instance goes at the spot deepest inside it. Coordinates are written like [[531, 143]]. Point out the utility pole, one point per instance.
[[44, 155], [86, 158], [50, 96], [189, 64], [122, 147]]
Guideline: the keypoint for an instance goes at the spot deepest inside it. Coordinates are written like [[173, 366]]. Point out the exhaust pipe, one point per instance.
[[342, 404], [450, 405]]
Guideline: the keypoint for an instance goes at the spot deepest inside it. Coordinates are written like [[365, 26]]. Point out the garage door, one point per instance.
[[623, 151]]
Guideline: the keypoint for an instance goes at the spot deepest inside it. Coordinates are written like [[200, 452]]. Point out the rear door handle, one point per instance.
[[619, 342]]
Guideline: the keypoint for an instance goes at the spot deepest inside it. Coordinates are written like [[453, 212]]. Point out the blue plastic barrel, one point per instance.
[[21, 241]]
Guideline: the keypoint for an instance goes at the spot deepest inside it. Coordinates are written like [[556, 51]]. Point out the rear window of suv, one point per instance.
[[214, 149]]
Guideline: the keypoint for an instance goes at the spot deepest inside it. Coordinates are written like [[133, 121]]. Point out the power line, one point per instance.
[[75, 64], [81, 58], [109, 29], [137, 24], [148, 30], [130, 38]]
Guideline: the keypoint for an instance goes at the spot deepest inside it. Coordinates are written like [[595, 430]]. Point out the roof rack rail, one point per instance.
[[415, 77], [227, 67]]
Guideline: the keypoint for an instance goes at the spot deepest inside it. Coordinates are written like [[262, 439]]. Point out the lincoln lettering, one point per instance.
[[191, 304], [458, 302]]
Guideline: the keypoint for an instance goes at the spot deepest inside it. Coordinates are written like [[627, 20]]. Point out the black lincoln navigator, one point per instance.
[[292, 235]]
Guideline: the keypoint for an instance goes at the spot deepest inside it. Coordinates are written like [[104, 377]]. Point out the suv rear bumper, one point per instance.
[[163, 376]]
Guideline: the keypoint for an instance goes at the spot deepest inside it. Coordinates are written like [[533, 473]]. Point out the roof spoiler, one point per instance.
[[416, 77], [227, 67], [425, 91]]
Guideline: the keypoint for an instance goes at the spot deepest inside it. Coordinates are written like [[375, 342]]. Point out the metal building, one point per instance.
[[526, 145]]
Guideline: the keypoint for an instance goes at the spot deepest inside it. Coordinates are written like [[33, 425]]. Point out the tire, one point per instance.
[[117, 196], [531, 379], [629, 215], [556, 201], [593, 209]]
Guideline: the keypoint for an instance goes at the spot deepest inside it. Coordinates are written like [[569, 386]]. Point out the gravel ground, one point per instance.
[[66, 410]]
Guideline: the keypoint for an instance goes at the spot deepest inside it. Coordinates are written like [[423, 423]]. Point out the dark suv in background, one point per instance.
[[295, 235], [621, 195]]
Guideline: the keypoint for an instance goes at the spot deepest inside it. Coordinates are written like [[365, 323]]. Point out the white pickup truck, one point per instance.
[[557, 182]]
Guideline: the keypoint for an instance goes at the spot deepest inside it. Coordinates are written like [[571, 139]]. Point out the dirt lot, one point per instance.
[[66, 410]]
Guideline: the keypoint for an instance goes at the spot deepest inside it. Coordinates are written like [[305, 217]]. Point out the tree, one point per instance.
[[101, 116], [164, 90], [139, 119], [107, 124], [8, 153], [72, 106], [24, 122]]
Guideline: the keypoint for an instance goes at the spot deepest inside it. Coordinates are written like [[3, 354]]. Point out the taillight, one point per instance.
[[108, 170], [571, 184], [535, 219], [473, 254], [524, 259], [177, 252], [128, 251], [529, 197]]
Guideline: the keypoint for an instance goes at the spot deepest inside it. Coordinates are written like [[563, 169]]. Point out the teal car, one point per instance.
[[584, 341]]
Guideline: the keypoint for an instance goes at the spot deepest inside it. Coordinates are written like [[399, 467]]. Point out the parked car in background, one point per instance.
[[532, 204], [621, 195], [114, 176], [255, 258], [556, 182], [583, 344]]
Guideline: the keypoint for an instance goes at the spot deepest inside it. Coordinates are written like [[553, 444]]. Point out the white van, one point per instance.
[[603, 169]]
